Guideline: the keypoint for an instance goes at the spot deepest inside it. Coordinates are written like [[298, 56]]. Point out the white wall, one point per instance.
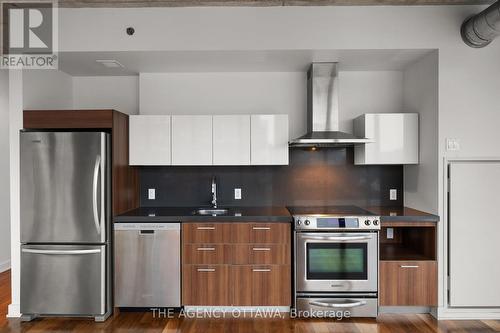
[[47, 89], [107, 92], [421, 96], [267, 92], [4, 172]]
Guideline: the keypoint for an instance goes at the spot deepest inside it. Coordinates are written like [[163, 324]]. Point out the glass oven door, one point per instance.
[[337, 262]]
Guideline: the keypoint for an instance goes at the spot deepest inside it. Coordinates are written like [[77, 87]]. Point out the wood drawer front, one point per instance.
[[260, 254], [205, 285], [408, 283], [261, 285], [206, 233], [261, 233], [205, 254]]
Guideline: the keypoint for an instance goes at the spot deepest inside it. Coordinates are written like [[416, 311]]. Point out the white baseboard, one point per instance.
[[14, 311], [4, 266], [468, 314]]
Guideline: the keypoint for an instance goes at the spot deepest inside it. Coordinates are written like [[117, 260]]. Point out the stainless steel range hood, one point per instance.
[[323, 110]]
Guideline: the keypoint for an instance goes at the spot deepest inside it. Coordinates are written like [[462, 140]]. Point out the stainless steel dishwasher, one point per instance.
[[147, 265]]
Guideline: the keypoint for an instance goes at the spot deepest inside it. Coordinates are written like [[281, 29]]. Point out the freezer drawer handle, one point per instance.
[[97, 168], [338, 305], [206, 269], [261, 228], [409, 266], [206, 249], [61, 251], [206, 228], [261, 249]]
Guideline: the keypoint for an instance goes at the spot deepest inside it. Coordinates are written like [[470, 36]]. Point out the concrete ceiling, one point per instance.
[[85, 63], [261, 3]]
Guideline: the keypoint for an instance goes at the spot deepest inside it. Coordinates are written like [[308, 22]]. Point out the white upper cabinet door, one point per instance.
[[231, 140], [149, 140], [269, 139], [191, 140], [395, 136]]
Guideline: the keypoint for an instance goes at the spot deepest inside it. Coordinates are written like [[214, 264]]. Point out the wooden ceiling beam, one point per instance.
[[260, 3]]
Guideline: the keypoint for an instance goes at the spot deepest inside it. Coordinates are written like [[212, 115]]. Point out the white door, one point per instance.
[[474, 234], [149, 140], [269, 139], [191, 140], [231, 140]]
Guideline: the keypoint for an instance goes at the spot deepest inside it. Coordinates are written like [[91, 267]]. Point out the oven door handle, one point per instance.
[[339, 238], [338, 305]]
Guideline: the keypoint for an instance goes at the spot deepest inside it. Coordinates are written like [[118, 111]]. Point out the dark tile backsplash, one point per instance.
[[323, 177]]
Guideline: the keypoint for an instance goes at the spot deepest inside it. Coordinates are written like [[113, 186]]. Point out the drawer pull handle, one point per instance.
[[409, 266], [261, 270], [338, 305], [206, 228], [206, 269], [261, 249], [261, 228], [206, 249]]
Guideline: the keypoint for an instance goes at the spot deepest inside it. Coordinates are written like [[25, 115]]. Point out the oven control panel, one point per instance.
[[337, 222]]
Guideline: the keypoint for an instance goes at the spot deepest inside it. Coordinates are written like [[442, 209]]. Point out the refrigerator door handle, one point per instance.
[[77, 252], [97, 168]]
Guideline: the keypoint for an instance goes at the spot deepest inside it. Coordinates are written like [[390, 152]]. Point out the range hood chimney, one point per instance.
[[323, 110], [481, 29]]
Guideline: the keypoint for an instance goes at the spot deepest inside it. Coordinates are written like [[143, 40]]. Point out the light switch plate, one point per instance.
[[237, 193], [393, 194], [390, 233], [452, 144], [152, 194]]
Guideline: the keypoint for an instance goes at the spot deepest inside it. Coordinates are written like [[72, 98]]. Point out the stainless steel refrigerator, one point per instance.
[[65, 224]]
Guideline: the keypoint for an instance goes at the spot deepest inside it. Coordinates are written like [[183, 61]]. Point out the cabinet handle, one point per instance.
[[409, 266], [261, 249], [206, 249], [206, 269], [261, 270], [261, 228], [206, 228]]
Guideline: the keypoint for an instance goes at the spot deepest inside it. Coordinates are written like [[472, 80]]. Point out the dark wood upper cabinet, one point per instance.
[[125, 184]]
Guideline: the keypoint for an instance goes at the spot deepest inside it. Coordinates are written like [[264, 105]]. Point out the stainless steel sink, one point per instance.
[[211, 211]]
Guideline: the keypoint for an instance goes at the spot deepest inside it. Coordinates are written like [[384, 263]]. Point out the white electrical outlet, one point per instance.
[[152, 194], [452, 144], [393, 194], [237, 193], [390, 233]]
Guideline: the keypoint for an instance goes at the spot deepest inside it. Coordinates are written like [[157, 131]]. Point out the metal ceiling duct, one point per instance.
[[480, 30]]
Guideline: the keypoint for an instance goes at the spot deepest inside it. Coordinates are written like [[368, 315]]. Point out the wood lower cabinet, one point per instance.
[[405, 283], [236, 264], [206, 233], [266, 254], [206, 285], [206, 253], [260, 285]]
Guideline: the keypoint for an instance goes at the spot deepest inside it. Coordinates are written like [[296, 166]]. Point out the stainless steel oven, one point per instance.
[[336, 261]]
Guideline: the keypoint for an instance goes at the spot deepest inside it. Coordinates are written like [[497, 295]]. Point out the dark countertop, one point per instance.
[[402, 214], [185, 214]]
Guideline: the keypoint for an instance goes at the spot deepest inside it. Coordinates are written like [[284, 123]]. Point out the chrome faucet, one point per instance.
[[214, 192]]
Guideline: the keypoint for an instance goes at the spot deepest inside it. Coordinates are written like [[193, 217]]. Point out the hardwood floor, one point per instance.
[[145, 322]]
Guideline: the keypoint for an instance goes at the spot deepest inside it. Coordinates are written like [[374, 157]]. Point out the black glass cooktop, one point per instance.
[[328, 210]]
